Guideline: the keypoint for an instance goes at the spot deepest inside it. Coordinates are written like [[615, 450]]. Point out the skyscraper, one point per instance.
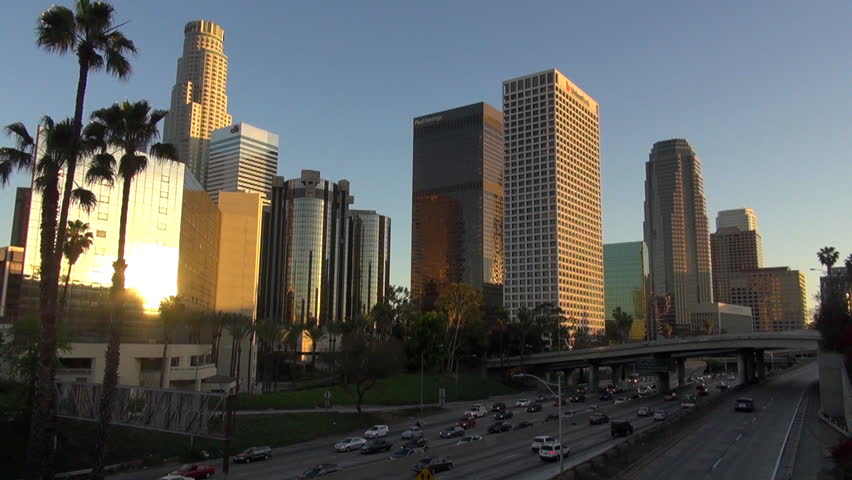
[[742, 218], [553, 198], [199, 103], [733, 249], [368, 258], [676, 229], [777, 297], [626, 283], [457, 202], [243, 158]]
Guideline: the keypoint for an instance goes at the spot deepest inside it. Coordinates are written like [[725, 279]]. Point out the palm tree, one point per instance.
[[623, 323], [238, 326], [848, 264], [128, 127], [172, 313], [79, 240], [268, 332], [314, 332], [19, 157], [828, 256]]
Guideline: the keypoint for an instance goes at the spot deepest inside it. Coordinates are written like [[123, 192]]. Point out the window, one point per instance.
[[175, 361], [103, 216], [101, 234]]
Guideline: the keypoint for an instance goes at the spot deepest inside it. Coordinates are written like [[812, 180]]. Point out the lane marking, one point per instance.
[[716, 463], [739, 437], [787, 436]]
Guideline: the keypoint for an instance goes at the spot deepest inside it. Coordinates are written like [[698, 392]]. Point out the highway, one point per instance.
[[734, 445]]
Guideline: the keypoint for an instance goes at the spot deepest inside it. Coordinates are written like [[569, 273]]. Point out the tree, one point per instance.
[[269, 333], [366, 359], [457, 300], [314, 332], [79, 241], [828, 256], [172, 313], [238, 326], [623, 323], [128, 127], [383, 317], [19, 157], [426, 337]]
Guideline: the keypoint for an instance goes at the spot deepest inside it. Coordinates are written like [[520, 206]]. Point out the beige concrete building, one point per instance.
[[199, 103], [552, 213], [733, 250], [742, 218], [777, 297], [717, 318]]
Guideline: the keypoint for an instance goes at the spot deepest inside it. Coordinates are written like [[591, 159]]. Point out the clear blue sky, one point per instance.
[[761, 90]]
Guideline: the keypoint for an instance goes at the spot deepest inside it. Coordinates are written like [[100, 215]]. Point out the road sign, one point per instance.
[[654, 365], [425, 474]]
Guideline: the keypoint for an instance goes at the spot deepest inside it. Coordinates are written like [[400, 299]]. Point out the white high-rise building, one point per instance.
[[742, 218], [552, 214], [243, 158]]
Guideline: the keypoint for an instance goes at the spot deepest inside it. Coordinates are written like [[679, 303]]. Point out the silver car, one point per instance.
[[349, 444], [412, 432]]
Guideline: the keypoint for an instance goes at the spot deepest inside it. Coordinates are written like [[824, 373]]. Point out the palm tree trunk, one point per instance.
[[64, 301], [39, 464], [164, 365], [113, 348]]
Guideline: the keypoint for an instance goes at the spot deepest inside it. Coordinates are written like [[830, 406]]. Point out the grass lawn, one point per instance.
[[396, 390]]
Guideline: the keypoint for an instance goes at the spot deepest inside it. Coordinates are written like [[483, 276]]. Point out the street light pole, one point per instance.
[[559, 403], [421, 383]]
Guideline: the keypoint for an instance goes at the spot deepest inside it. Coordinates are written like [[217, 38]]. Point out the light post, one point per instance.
[[559, 404]]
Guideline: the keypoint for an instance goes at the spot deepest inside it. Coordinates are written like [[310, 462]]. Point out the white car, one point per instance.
[[619, 400], [522, 403], [659, 415], [349, 444], [551, 451], [412, 432], [477, 411], [468, 439], [539, 441], [569, 412], [377, 431]]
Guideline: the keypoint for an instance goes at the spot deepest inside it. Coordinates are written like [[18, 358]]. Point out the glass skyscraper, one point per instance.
[[368, 249], [626, 283]]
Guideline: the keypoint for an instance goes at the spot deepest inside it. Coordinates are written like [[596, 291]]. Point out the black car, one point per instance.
[[498, 407], [579, 398], [535, 407], [453, 431], [434, 465], [252, 454], [621, 429], [598, 419], [499, 427], [504, 415], [402, 453], [418, 443], [635, 396], [319, 471], [523, 424], [605, 397], [376, 446], [744, 405]]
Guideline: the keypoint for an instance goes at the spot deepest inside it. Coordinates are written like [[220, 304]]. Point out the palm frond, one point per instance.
[[158, 115], [96, 61], [56, 30], [131, 165], [165, 151], [102, 168], [117, 64], [85, 199], [17, 130]]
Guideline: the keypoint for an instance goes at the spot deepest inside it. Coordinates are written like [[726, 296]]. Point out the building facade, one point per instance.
[[777, 297], [553, 234], [243, 158], [457, 202], [11, 281], [676, 229], [718, 318], [626, 283], [368, 261], [199, 103], [742, 218], [733, 250]]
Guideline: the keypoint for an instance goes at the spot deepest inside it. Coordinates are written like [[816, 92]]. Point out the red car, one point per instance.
[[556, 402], [195, 470], [466, 422]]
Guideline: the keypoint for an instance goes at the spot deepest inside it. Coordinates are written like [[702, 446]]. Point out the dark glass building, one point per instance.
[[368, 268], [457, 203]]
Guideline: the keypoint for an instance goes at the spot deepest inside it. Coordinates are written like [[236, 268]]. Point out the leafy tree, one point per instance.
[[427, 336], [828, 256], [458, 301], [79, 241], [172, 313], [383, 318], [366, 359]]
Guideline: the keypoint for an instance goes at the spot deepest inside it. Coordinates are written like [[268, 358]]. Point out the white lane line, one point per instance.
[[787, 435], [716, 463], [739, 437]]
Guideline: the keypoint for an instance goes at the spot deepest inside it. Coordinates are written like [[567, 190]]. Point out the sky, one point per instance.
[[762, 90]]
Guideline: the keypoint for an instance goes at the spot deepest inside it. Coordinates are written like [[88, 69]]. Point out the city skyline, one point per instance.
[[622, 147]]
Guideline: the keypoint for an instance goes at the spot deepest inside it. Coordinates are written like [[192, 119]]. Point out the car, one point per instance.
[[619, 400], [556, 402], [433, 464], [551, 417], [349, 444], [659, 415], [412, 432], [535, 407], [253, 453], [498, 407], [318, 471], [523, 403], [701, 389], [402, 453], [644, 412], [644, 391], [722, 386], [744, 405], [581, 390], [617, 391], [174, 477], [376, 446], [195, 470], [452, 431], [579, 398], [634, 396], [605, 397], [598, 418], [688, 401], [469, 438], [537, 442], [499, 427], [551, 451], [653, 386], [477, 410], [569, 412], [592, 407], [732, 378], [670, 397], [541, 397], [523, 424], [621, 428], [377, 431], [467, 422], [504, 415], [417, 444]]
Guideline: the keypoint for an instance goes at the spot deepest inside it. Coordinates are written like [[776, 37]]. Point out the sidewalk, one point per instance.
[[813, 457]]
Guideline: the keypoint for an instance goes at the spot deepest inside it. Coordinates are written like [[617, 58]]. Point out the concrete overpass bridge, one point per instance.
[[749, 349]]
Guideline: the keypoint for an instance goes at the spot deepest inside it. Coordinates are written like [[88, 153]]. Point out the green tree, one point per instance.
[[128, 127], [172, 313], [383, 317], [19, 157], [269, 333], [367, 359], [828, 256], [623, 323], [238, 326], [427, 335], [458, 301], [79, 241]]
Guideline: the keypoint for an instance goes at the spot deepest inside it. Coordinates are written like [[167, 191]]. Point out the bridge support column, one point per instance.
[[569, 376], [760, 366], [745, 366], [594, 378], [681, 372], [617, 373], [750, 367], [663, 385]]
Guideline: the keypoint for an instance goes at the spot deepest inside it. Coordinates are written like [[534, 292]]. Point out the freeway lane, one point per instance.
[[732, 445]]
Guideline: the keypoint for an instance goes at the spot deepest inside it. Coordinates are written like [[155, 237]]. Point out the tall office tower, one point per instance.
[[553, 198], [243, 158], [626, 284], [199, 103], [742, 218], [457, 203], [733, 250], [303, 266], [368, 261], [777, 297], [676, 230]]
